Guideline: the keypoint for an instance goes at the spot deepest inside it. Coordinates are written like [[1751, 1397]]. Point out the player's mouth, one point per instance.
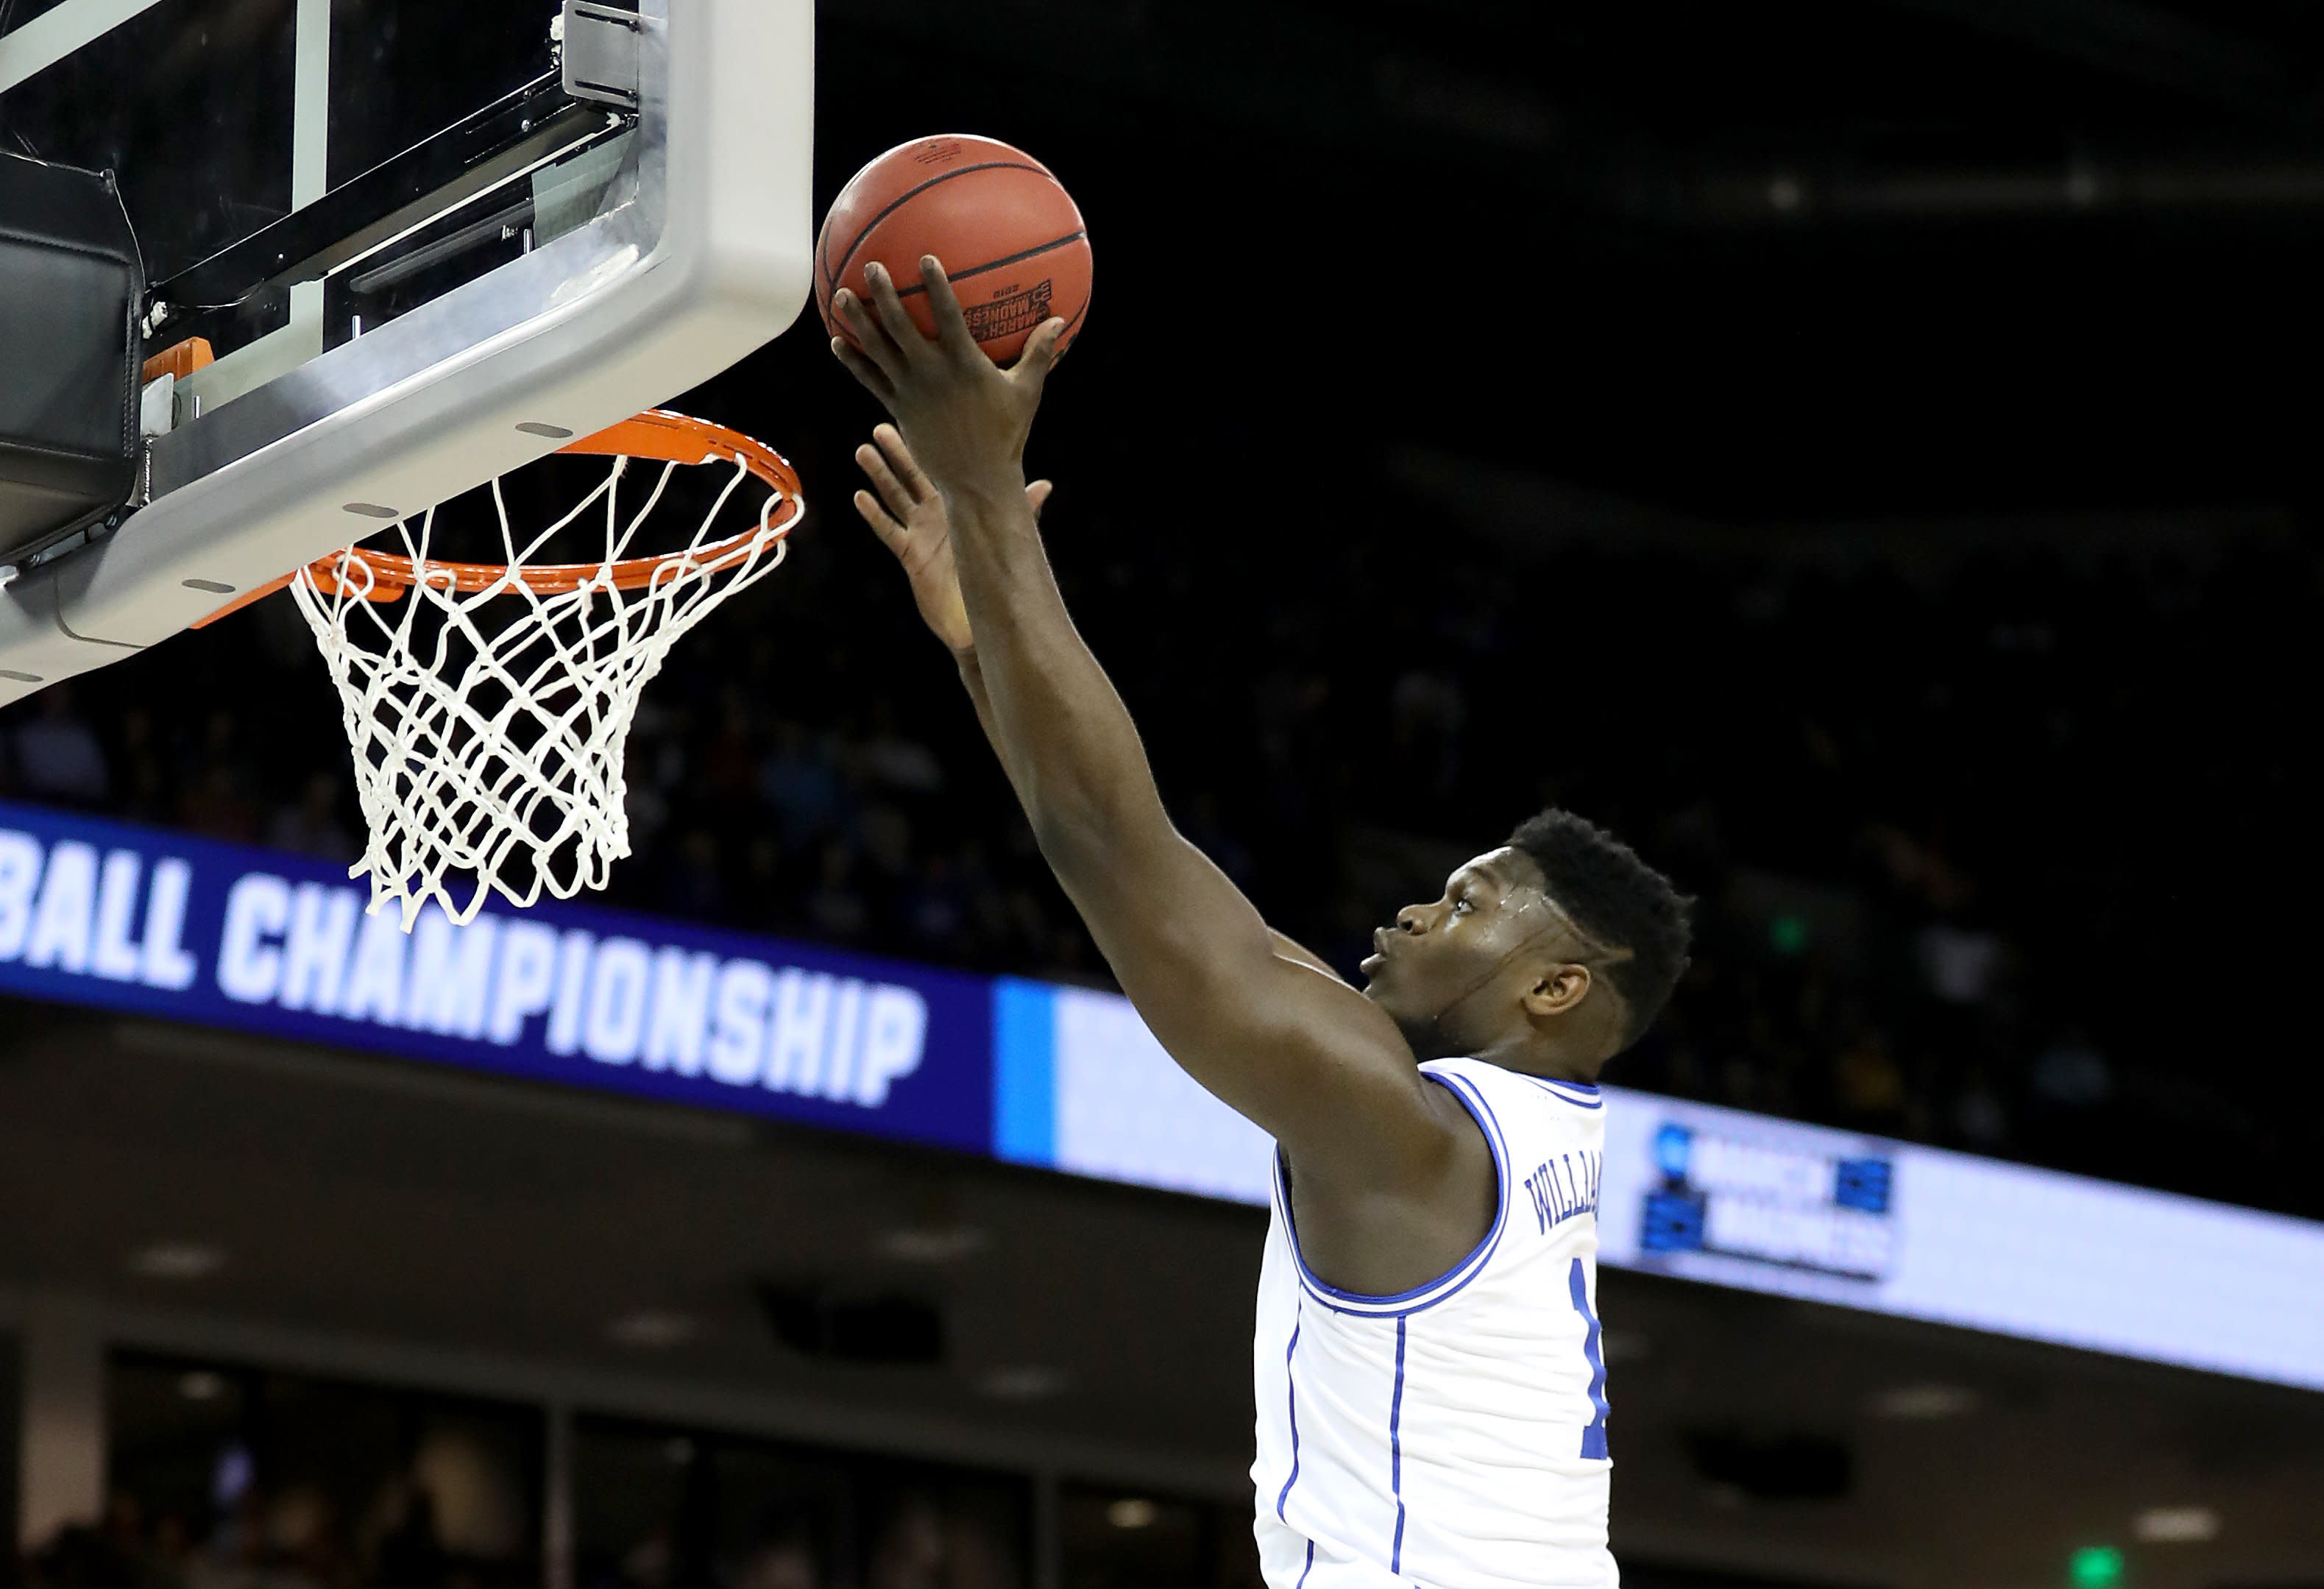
[[1379, 956]]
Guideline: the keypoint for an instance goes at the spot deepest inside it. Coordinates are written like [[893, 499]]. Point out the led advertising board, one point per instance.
[[128, 918], [1737, 1199], [1742, 1200]]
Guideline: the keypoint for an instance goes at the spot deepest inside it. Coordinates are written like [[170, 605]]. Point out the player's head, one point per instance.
[[1559, 948]]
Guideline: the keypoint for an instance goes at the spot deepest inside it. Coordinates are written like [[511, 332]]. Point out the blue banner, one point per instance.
[[123, 918]]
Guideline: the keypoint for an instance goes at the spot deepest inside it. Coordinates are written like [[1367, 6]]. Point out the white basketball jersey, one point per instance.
[[1454, 1436]]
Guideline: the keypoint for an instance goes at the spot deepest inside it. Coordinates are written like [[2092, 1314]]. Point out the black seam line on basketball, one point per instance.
[[905, 197], [1018, 258]]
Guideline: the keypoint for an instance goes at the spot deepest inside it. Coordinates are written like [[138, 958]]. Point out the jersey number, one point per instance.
[[1593, 1438]]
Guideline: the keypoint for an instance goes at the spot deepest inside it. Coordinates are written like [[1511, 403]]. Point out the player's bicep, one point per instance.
[[1302, 1054], [1322, 1069]]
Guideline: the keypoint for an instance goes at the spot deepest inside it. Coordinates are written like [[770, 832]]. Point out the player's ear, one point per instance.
[[1557, 989]]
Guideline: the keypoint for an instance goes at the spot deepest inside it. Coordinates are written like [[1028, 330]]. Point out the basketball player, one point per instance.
[[1430, 1392]]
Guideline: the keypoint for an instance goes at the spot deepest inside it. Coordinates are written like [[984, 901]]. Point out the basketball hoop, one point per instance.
[[488, 705]]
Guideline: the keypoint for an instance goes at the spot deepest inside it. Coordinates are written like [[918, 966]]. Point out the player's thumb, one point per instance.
[[1037, 494], [1041, 353]]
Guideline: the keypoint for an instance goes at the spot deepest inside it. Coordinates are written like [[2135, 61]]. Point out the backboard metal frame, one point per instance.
[[708, 256]]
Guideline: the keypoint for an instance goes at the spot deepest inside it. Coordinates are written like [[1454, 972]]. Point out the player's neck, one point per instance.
[[1531, 1057]]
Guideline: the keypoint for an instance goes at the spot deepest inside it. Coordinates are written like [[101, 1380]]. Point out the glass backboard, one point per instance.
[[419, 242]]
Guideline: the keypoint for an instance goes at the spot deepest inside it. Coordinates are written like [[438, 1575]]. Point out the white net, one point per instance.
[[489, 715]]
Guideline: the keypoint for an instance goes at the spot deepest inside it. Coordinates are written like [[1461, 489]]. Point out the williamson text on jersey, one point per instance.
[[1564, 1187]]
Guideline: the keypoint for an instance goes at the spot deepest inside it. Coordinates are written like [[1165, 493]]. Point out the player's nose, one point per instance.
[[1411, 918]]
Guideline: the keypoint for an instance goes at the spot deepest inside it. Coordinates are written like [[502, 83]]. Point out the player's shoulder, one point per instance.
[[1498, 1088]]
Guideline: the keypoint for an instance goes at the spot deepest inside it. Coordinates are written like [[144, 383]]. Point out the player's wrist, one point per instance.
[[986, 491]]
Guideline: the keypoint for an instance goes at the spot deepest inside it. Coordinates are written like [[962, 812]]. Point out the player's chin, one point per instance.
[[1381, 988]]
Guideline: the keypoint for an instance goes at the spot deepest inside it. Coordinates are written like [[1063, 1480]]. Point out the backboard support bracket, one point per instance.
[[536, 124], [597, 51]]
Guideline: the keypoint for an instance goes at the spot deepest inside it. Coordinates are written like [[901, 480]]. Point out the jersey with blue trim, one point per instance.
[[1454, 1436]]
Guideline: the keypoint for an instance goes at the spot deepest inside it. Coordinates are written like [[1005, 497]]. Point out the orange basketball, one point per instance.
[[1010, 237]]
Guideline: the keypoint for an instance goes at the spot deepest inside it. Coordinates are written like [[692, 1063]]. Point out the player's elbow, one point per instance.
[[1069, 830]]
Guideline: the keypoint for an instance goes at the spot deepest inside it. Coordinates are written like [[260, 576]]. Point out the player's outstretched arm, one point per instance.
[[906, 512], [1304, 1055]]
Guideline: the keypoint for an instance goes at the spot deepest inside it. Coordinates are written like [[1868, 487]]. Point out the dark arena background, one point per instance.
[[1863, 454]]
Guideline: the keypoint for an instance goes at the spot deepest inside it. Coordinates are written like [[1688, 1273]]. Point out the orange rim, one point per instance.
[[657, 434]]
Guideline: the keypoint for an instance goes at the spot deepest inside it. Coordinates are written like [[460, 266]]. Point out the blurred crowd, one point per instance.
[[227, 1478], [294, 1537], [1971, 816]]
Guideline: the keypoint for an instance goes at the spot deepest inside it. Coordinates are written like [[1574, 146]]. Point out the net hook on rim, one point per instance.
[[658, 434]]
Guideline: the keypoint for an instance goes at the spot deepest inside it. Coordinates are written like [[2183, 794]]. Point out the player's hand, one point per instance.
[[909, 517], [965, 416]]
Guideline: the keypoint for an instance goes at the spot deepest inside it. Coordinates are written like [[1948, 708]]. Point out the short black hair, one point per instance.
[[1617, 898]]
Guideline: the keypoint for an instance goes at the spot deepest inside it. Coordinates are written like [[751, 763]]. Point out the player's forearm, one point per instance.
[[1062, 732], [972, 679]]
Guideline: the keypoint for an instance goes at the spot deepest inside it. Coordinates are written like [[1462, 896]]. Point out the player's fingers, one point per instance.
[[1037, 494], [893, 317], [875, 380], [892, 534], [892, 492], [944, 307], [871, 338], [900, 459]]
